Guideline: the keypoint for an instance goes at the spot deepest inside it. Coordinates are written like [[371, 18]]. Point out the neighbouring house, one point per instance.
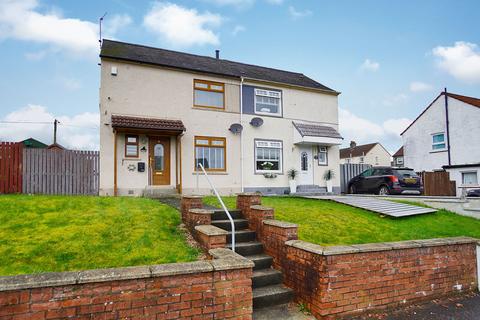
[[398, 158], [446, 135], [32, 143], [373, 153], [164, 112]]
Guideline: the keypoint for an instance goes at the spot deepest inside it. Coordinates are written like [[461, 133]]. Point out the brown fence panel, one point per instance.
[[437, 183], [64, 172], [11, 154]]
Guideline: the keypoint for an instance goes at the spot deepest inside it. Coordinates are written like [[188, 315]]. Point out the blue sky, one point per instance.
[[389, 59]]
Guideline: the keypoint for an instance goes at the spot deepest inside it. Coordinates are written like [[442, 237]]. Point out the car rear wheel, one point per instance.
[[383, 191], [352, 190]]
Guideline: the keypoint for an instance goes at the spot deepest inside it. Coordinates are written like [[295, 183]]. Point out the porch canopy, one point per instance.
[[147, 125], [307, 133]]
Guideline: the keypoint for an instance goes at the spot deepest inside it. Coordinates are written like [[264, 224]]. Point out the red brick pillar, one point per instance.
[[197, 217], [257, 214], [246, 200], [274, 235], [187, 203]]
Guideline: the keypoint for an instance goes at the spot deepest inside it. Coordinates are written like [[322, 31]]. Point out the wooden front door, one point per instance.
[[160, 160]]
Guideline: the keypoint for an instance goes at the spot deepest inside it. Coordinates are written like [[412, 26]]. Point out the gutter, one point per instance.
[[447, 122]]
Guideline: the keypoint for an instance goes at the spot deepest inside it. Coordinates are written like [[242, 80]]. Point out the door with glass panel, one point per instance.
[[160, 160]]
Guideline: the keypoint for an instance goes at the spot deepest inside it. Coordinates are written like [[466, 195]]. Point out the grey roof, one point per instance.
[[173, 59], [316, 130]]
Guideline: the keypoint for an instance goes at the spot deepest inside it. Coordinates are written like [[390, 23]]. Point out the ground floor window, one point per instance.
[[268, 156], [131, 146], [322, 156], [469, 178], [211, 153]]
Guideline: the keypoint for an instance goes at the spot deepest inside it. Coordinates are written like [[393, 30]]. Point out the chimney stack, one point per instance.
[[217, 54], [353, 144]]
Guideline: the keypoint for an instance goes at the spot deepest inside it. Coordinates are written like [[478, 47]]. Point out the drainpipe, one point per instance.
[[447, 122], [241, 135]]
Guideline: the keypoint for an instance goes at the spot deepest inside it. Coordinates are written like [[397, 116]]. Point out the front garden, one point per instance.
[[329, 223], [64, 233]]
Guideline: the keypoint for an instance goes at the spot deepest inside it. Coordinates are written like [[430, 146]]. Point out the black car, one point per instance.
[[473, 193], [386, 180]]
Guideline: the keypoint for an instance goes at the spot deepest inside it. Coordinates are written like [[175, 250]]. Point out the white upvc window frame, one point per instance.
[[270, 94], [323, 149], [399, 160], [444, 142], [469, 172], [273, 144]]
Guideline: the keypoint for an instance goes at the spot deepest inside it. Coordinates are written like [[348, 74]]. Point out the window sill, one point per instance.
[[268, 115], [269, 172], [440, 150], [211, 173], [131, 159], [209, 108]]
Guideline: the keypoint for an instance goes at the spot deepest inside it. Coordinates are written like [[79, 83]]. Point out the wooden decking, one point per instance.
[[389, 208]]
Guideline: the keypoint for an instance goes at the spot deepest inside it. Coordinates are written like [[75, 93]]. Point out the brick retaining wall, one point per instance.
[[342, 280], [216, 289]]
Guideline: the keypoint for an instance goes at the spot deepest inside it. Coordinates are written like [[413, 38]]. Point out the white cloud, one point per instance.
[[75, 132], [35, 56], [370, 65], [462, 61], [361, 130], [298, 14], [238, 29], [395, 100], [418, 86], [21, 20], [117, 22], [181, 26]]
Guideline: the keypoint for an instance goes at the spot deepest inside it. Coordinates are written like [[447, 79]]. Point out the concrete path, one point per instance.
[[281, 312], [458, 308]]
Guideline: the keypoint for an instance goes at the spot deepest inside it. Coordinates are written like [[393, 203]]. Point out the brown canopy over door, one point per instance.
[[160, 160]]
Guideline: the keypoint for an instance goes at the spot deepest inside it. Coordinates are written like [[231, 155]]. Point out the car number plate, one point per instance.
[[410, 180]]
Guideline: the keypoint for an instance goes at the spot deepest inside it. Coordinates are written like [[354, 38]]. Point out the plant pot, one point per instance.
[[293, 186], [329, 186]]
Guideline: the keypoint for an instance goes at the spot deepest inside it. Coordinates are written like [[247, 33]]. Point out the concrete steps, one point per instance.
[[271, 295], [268, 289]]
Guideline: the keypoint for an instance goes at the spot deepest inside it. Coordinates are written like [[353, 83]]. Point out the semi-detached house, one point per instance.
[[164, 112]]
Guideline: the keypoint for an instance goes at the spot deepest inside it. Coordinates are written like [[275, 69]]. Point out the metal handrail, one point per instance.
[[223, 205]]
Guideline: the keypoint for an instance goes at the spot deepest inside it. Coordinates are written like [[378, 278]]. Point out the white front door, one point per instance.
[[306, 165]]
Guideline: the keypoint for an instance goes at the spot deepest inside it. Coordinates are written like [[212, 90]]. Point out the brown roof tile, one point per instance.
[[128, 122], [357, 151], [399, 152]]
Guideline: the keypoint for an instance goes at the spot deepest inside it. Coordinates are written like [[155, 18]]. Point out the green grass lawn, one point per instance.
[[60, 233], [330, 223]]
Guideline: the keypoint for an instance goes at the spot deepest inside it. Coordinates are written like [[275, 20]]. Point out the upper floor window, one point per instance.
[[362, 159], [131, 146], [211, 153], [209, 94], [438, 141], [322, 156], [400, 160], [268, 156], [268, 102]]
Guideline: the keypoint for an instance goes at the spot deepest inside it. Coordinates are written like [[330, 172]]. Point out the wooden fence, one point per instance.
[[11, 154], [348, 171], [60, 172], [437, 183]]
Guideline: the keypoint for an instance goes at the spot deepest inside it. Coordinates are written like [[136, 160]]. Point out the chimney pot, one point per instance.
[[353, 144], [217, 54]]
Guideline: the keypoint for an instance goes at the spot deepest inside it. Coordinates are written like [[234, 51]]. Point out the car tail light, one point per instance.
[[394, 179]]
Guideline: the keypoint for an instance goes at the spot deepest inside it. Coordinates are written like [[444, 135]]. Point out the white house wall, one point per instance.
[[139, 90]]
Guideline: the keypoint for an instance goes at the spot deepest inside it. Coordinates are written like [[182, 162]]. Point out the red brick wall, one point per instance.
[[209, 242], [208, 295], [189, 202], [343, 284]]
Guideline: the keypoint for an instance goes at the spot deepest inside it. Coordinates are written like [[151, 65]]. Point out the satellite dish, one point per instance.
[[236, 128], [256, 122]]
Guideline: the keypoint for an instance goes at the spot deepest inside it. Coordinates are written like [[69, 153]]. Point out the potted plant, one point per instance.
[[292, 174], [328, 176]]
